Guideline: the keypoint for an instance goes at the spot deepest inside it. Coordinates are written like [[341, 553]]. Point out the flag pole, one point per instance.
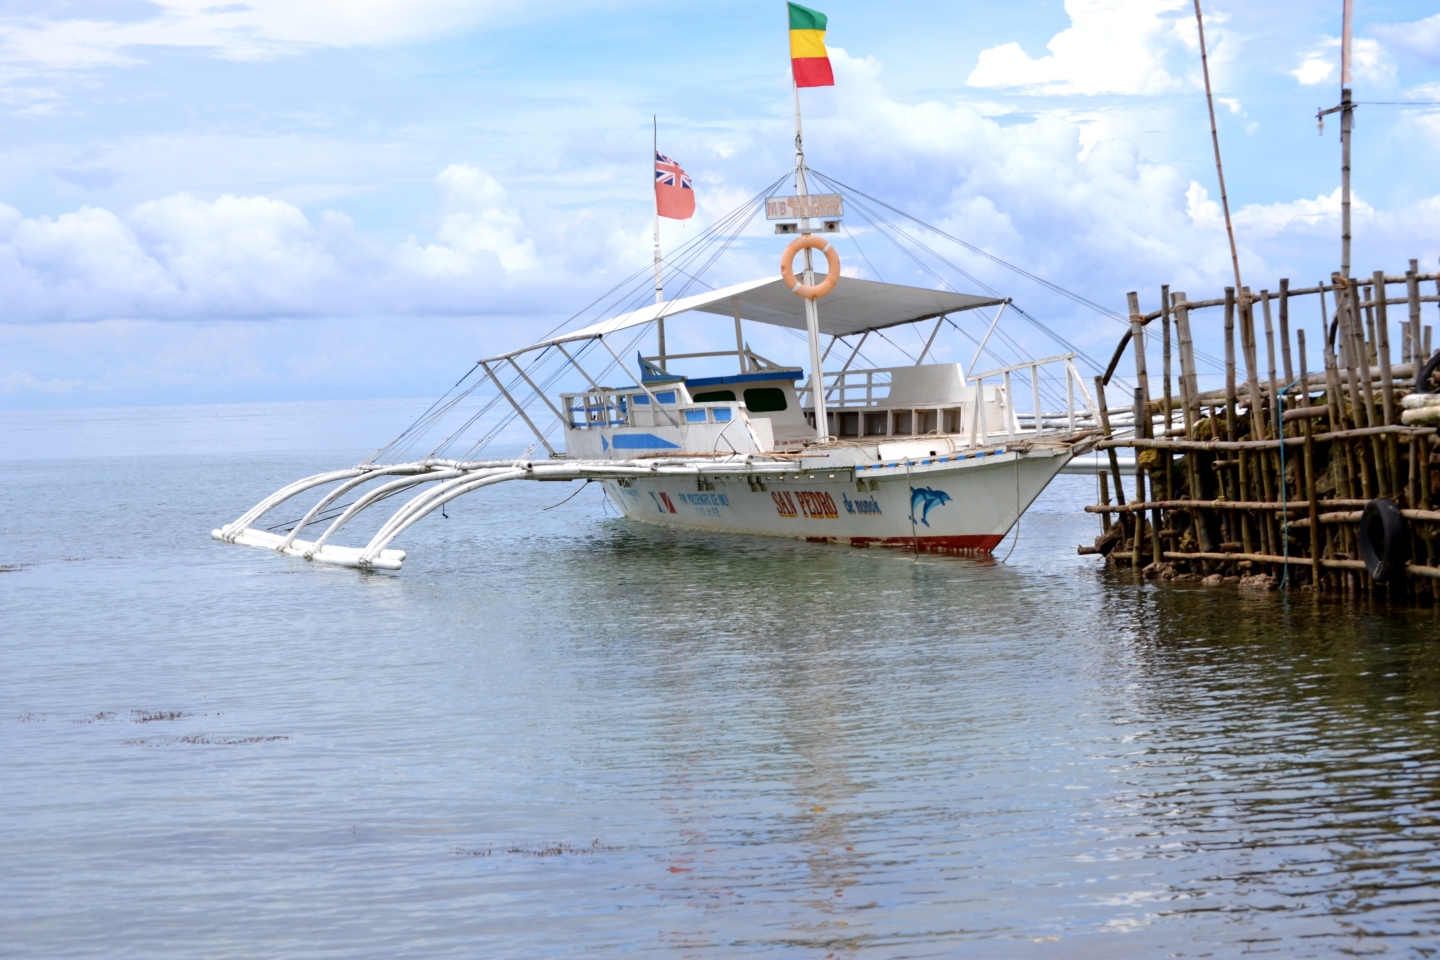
[[659, 281], [812, 313]]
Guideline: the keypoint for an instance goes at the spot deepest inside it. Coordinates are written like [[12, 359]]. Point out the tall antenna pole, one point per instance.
[[1347, 111], [1215, 139], [659, 281]]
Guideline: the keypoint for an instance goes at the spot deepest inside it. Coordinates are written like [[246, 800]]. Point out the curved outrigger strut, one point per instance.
[[450, 479]]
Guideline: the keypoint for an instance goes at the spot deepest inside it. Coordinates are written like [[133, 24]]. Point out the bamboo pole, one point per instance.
[[1274, 424], [1285, 327], [1254, 467], [1387, 385], [1236, 487], [1339, 458], [1105, 431], [1140, 425], [1169, 471], [1377, 446], [1236, 445], [1258, 506], [1309, 462], [1187, 396], [1142, 417], [1104, 479], [1412, 296]]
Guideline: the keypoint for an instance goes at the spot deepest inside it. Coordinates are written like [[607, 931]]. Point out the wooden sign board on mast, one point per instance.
[[820, 206]]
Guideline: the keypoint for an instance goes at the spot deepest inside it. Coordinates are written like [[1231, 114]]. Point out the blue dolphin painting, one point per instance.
[[927, 498]]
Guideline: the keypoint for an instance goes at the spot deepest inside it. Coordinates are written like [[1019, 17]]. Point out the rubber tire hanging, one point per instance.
[[1382, 539]]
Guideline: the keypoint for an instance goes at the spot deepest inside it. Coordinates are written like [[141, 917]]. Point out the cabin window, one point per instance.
[[765, 399], [667, 397], [714, 396], [641, 400], [694, 416], [722, 414]]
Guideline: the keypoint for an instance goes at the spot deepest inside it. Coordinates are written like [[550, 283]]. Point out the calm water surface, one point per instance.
[[559, 733]]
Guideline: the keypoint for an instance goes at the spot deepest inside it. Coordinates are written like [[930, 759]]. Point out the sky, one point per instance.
[[204, 201]]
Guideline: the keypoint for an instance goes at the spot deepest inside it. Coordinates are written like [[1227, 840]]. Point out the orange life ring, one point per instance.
[[787, 273]]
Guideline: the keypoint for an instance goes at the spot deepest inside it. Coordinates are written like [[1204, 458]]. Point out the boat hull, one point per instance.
[[963, 505]]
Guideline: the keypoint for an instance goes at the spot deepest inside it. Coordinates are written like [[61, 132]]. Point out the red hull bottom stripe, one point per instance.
[[812, 72], [977, 544]]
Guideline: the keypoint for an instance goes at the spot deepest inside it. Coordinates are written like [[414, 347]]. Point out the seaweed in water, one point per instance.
[[535, 850], [200, 739]]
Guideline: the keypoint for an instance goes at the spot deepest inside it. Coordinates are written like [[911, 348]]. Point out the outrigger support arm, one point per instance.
[[518, 409], [446, 480], [372, 496]]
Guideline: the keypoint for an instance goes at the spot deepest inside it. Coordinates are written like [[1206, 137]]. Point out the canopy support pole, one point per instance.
[[518, 409], [739, 337], [928, 343], [853, 354], [981, 349]]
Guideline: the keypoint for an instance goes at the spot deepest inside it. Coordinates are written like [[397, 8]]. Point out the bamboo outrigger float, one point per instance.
[[1322, 479]]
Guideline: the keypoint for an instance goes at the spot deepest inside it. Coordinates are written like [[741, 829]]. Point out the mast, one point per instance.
[[659, 281], [812, 313], [1347, 111]]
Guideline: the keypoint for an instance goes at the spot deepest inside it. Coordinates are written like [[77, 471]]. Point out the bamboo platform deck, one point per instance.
[[1269, 479]]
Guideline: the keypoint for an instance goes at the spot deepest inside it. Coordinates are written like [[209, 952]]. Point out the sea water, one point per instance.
[[558, 733]]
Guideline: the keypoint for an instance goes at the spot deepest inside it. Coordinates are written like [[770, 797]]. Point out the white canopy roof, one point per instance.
[[854, 306]]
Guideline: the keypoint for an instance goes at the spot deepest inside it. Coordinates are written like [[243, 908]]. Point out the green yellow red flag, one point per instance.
[[809, 63]]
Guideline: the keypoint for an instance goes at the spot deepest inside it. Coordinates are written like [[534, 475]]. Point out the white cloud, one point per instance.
[[1111, 46], [1372, 64], [477, 221], [181, 257], [241, 31], [1315, 68], [1419, 39]]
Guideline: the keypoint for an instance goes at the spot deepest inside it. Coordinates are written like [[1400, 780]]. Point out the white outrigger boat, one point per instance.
[[921, 456], [925, 456]]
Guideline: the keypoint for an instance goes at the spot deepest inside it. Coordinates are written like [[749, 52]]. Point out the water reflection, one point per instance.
[[559, 733]]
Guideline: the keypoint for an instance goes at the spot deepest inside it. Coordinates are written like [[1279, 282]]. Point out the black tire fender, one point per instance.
[[1382, 538], [1422, 380]]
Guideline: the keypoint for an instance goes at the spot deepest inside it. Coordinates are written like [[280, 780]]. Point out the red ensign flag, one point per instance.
[[674, 195]]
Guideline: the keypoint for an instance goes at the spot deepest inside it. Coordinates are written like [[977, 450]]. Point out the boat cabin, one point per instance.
[[766, 407]]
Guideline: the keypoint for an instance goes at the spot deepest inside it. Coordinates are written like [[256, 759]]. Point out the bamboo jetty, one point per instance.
[[1290, 476]]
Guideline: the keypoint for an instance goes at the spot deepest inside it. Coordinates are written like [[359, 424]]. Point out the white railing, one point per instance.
[[587, 411], [1040, 421], [859, 405]]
